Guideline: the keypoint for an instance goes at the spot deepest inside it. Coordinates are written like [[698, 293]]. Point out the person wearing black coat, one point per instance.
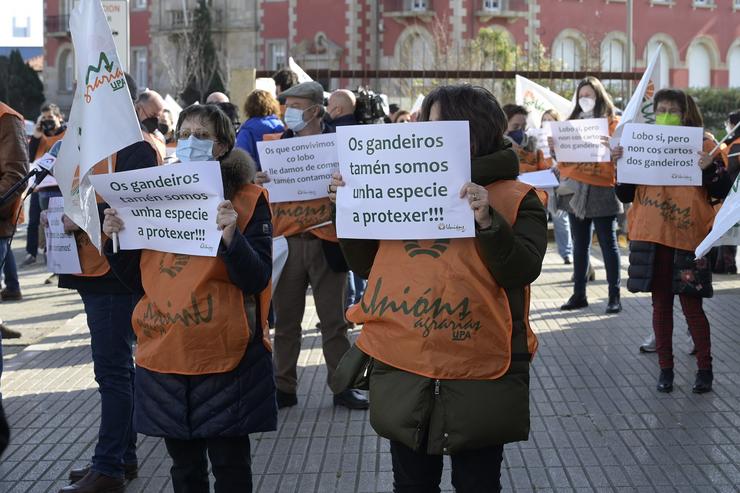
[[666, 224], [207, 399]]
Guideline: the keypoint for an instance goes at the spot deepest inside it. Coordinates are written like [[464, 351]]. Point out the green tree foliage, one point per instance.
[[20, 86], [204, 69], [715, 106]]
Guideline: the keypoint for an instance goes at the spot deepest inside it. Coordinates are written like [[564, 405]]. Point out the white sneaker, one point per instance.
[[649, 345]]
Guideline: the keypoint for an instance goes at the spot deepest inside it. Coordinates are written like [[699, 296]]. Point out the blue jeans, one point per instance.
[[111, 341], [355, 288], [10, 270], [606, 232], [46, 194], [561, 224]]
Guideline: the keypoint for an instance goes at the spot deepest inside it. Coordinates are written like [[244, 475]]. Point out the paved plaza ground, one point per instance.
[[598, 423]]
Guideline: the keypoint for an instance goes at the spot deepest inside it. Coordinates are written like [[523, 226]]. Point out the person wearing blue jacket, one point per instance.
[[261, 109]]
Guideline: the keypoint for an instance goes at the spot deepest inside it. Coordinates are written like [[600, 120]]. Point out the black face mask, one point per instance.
[[164, 128], [48, 127], [150, 124]]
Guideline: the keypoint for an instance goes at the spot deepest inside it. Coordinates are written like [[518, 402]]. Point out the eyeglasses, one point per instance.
[[198, 134]]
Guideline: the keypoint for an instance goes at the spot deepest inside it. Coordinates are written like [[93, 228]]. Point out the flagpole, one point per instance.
[[114, 236]]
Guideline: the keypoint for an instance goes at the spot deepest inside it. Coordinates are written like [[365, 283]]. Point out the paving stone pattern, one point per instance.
[[597, 422]]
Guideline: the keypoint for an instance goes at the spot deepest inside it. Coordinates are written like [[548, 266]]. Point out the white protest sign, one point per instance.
[[580, 141], [299, 168], [403, 181], [540, 179], [660, 155], [166, 208], [61, 248], [541, 135], [726, 219], [538, 99]]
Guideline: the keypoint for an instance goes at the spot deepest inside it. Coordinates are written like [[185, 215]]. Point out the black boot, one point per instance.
[[614, 305], [665, 380], [703, 381], [575, 302]]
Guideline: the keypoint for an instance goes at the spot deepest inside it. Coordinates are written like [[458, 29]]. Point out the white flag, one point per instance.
[[302, 75], [102, 120], [640, 107], [724, 222], [537, 99]]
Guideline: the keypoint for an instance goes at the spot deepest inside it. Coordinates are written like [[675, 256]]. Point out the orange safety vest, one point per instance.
[[433, 308], [92, 263], [292, 218], [18, 207], [159, 147], [532, 161], [598, 174], [46, 143], [191, 319], [677, 217]]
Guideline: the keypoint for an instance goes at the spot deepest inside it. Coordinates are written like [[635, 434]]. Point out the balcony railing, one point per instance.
[[57, 25]]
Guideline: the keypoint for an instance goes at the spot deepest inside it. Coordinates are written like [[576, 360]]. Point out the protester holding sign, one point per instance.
[[666, 224], [559, 203], [446, 320], [314, 258], [593, 203], [108, 304], [204, 378], [530, 158]]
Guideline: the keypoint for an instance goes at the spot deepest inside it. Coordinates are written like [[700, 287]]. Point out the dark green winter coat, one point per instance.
[[451, 416]]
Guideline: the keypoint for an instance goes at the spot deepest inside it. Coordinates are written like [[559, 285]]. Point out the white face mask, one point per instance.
[[294, 119], [587, 104]]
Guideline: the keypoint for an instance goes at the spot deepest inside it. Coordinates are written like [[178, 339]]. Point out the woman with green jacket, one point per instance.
[[446, 321]]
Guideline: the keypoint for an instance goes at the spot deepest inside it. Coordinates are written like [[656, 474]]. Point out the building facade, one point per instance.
[[701, 38], [59, 61], [234, 31]]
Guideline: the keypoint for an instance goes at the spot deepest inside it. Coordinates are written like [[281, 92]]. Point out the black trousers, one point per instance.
[[230, 461], [475, 471]]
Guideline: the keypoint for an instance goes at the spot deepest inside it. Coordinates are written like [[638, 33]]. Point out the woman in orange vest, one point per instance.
[[204, 376], [666, 224], [446, 321], [530, 158], [593, 205]]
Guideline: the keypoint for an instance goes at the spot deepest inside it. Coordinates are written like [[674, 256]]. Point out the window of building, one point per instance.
[[140, 66], [703, 3], [140, 4], [277, 54], [21, 27], [613, 56], [66, 71], [418, 5], [736, 4], [492, 5], [733, 66], [569, 51], [700, 66]]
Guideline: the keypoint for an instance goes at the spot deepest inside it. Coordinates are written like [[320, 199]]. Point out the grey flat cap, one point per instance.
[[307, 90]]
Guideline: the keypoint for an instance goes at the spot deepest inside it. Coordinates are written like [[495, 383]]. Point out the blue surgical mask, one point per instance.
[[294, 119], [193, 149], [517, 136]]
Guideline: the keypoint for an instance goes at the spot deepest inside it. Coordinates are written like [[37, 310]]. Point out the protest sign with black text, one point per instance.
[[660, 155], [403, 181], [581, 141], [298, 168], [167, 208]]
